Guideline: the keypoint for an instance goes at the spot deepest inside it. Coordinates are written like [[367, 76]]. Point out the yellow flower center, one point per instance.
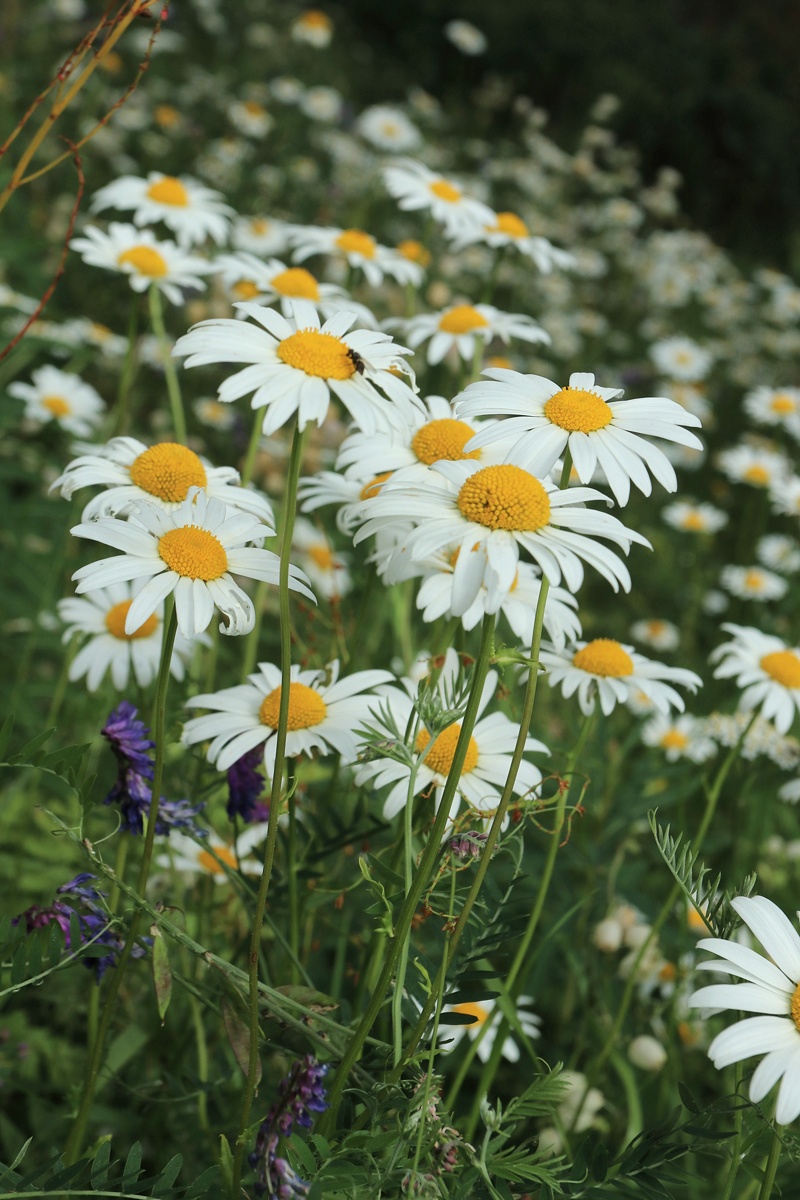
[[145, 260], [694, 521], [208, 861], [782, 403], [168, 470], [795, 1007], [296, 281], [754, 580], [355, 241], [575, 409], [472, 1009], [444, 438], [314, 19], [505, 497], [168, 190], [374, 486], [245, 289], [783, 666], [115, 623], [323, 557], [315, 353], [462, 319], [511, 224], [254, 108], [757, 475], [166, 116], [499, 360], [445, 191], [306, 707], [604, 656], [193, 553], [673, 739], [57, 405], [440, 756], [259, 225], [415, 251]]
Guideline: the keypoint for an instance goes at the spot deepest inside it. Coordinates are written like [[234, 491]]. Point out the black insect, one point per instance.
[[356, 360]]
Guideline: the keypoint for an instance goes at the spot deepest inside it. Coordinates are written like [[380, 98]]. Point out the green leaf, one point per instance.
[[133, 1166], [225, 1165], [238, 1032], [305, 1158], [5, 735], [687, 1099], [206, 1184], [168, 1176], [162, 976], [25, 756], [19, 964], [100, 1165]]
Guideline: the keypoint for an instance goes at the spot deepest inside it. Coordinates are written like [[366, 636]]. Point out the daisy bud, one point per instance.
[[608, 935], [647, 1053]]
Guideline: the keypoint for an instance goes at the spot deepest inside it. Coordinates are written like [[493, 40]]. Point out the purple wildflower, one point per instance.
[[245, 785], [300, 1095], [467, 845]]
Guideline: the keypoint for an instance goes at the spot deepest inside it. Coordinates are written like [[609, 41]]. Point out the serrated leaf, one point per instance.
[[239, 1037], [133, 1166], [100, 1165], [162, 976]]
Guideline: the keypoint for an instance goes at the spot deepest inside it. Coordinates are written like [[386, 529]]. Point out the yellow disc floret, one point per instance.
[[322, 556], [306, 707], [145, 260], [462, 319], [440, 756], [783, 666], [472, 1009], [673, 739], [246, 289], [445, 191], [296, 281], [505, 497], [168, 190], [374, 486], [115, 623], [355, 241], [443, 439], [315, 353], [193, 553], [56, 405], [510, 224], [604, 657], [782, 403], [575, 409], [168, 470], [208, 861], [414, 251], [795, 1007], [758, 475]]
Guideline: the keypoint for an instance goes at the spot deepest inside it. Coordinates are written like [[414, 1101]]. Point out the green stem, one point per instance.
[[735, 1146], [291, 868], [420, 880], [275, 800], [771, 1166], [121, 416], [408, 870], [252, 447], [171, 375], [75, 1140]]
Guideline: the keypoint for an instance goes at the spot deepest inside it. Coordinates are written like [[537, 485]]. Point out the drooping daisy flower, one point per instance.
[[62, 397], [694, 518], [485, 1012], [296, 364], [160, 474], [102, 615], [679, 737], [661, 635], [249, 278], [464, 326], [611, 672], [771, 988], [388, 128], [758, 466], [415, 187], [753, 583], [766, 668], [213, 855], [775, 406], [508, 229], [193, 212], [682, 359], [359, 249], [597, 427], [137, 254], [505, 508], [488, 758], [326, 567], [323, 716], [191, 552]]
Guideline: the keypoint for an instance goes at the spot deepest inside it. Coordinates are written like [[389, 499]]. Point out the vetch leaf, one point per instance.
[[162, 976], [239, 1037]]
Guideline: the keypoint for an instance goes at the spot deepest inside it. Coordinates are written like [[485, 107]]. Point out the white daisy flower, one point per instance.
[[162, 474], [659, 634], [416, 187], [758, 466], [779, 553], [213, 413], [260, 235], [249, 278], [484, 1012], [461, 505], [679, 737], [784, 493], [771, 988], [466, 37], [321, 104], [359, 249], [611, 671], [682, 359], [59, 396], [766, 668], [213, 854], [328, 487], [313, 27], [388, 128], [326, 567], [296, 364], [753, 583], [192, 552], [193, 212], [694, 518], [102, 615], [137, 254], [585, 418], [250, 118], [323, 716], [775, 406], [463, 327], [509, 229], [488, 758]]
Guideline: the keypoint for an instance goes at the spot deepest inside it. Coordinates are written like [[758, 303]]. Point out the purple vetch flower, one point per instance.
[[300, 1095], [245, 786], [467, 845]]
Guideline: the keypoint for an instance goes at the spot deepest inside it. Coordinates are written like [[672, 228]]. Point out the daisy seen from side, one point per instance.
[[607, 671], [359, 249], [249, 278], [766, 669], [509, 229], [591, 421], [213, 856], [137, 254], [416, 187], [486, 1012], [191, 552], [190, 210], [62, 398], [463, 327]]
